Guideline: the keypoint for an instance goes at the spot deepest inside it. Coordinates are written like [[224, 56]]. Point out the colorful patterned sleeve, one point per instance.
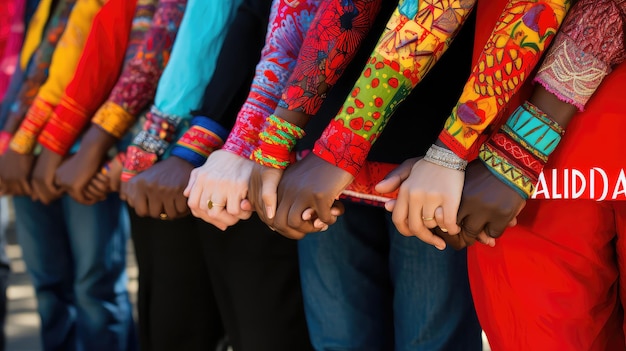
[[62, 67], [137, 84], [521, 34], [37, 71], [589, 44], [518, 41], [336, 33], [181, 86], [393, 70], [115, 35], [289, 23]]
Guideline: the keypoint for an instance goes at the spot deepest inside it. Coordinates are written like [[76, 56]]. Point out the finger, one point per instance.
[[169, 208], [394, 179], [245, 205], [193, 192], [513, 222], [140, 204], [180, 204], [400, 214], [472, 226], [485, 239], [269, 190], [94, 193], [101, 186], [439, 219], [338, 208], [26, 188], [450, 211], [155, 206], [428, 215], [389, 205], [192, 181]]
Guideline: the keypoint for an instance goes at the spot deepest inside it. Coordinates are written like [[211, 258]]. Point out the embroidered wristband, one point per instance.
[[444, 157], [276, 143], [204, 136], [136, 162], [519, 150], [25, 138], [113, 119]]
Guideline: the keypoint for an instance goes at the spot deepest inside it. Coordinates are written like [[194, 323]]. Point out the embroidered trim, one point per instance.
[[113, 119], [204, 136], [137, 161], [25, 138], [570, 73]]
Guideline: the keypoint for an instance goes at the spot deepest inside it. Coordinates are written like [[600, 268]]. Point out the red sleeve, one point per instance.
[[95, 76]]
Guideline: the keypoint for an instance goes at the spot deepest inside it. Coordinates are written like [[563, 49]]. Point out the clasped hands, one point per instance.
[[465, 208]]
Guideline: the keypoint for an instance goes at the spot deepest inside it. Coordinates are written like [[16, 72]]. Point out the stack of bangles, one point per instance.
[[276, 143], [519, 150], [446, 158], [150, 144]]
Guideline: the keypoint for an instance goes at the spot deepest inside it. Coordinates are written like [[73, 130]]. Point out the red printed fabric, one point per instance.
[[97, 71], [334, 38], [289, 23]]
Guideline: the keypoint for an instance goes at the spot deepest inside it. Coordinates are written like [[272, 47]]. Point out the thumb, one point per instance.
[[270, 179], [192, 181], [394, 179], [390, 205]]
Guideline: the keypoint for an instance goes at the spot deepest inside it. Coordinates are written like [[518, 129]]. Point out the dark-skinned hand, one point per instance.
[[43, 185], [307, 196], [488, 205], [76, 172], [158, 191], [15, 171]]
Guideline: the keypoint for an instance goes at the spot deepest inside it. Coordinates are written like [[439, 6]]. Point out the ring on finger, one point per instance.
[[212, 204], [163, 216], [428, 219]]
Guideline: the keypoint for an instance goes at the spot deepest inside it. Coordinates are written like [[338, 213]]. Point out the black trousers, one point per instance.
[[194, 279]]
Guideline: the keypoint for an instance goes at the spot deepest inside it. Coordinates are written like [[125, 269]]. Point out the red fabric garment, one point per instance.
[[550, 282], [11, 37], [95, 75]]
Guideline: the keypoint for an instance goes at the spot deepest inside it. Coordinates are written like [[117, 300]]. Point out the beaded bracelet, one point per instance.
[[519, 150], [276, 142], [444, 157]]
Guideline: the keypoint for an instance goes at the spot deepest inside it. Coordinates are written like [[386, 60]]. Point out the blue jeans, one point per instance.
[[368, 288], [76, 257]]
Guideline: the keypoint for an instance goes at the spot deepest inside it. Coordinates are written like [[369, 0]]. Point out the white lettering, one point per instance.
[[541, 188], [578, 175], [605, 183]]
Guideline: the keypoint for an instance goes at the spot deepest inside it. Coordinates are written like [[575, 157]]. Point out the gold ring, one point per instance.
[[212, 204], [428, 218], [163, 216]]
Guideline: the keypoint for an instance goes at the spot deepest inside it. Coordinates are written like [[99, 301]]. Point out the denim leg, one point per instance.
[[346, 283], [433, 308], [98, 235], [42, 235]]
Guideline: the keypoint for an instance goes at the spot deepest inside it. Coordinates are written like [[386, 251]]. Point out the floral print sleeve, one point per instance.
[[289, 23]]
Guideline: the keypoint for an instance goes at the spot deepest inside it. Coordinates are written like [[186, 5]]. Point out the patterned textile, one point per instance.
[[518, 41], [289, 23], [11, 37], [426, 27], [584, 51], [182, 68], [332, 41], [334, 38], [37, 71], [523, 30], [517, 153], [62, 68], [137, 84], [116, 32]]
